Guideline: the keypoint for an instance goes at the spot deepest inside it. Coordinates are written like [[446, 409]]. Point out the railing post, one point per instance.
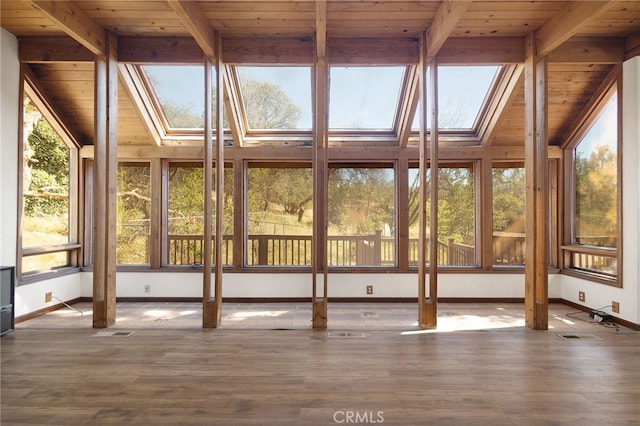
[[377, 247], [263, 250], [450, 253]]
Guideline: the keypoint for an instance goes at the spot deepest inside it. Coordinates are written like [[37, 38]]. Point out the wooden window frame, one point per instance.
[[611, 86], [74, 248]]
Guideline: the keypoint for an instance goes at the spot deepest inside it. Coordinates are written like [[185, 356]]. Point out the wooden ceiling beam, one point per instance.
[[568, 23], [196, 23], [36, 50], [590, 50], [443, 23], [73, 21], [479, 50], [154, 50], [373, 51], [632, 46], [295, 51]]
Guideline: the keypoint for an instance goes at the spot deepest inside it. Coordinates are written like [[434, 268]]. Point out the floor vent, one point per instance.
[[579, 337], [113, 334], [346, 335]]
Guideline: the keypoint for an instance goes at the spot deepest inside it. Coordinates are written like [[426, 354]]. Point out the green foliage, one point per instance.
[[268, 107], [456, 212], [134, 212], [596, 197], [49, 173], [186, 200], [361, 200], [508, 199]]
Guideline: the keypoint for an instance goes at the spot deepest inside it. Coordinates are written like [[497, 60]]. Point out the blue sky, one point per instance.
[[360, 97]]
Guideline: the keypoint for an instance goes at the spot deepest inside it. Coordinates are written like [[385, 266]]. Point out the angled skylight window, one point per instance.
[[364, 97], [276, 97], [462, 93], [179, 93]]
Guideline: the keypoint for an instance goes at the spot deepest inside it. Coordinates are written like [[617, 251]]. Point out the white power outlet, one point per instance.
[[147, 288]]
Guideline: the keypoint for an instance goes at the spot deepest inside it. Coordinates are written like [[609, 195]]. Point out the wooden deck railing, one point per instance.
[[367, 250]]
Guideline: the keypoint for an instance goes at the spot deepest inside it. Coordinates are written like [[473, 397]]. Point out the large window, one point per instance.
[[134, 213], [364, 98], [276, 97], [456, 215], [185, 215], [47, 214], [595, 225], [177, 91], [362, 225], [508, 214], [279, 215]]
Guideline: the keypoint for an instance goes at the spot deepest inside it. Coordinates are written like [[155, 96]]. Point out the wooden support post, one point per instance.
[[426, 306], [105, 186], [320, 170], [537, 188], [212, 300], [209, 315], [219, 224]]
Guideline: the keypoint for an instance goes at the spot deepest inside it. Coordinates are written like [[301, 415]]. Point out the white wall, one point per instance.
[[31, 297], [258, 285], [599, 295], [9, 110]]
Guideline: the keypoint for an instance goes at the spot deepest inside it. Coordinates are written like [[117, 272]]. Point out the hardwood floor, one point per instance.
[[499, 373]]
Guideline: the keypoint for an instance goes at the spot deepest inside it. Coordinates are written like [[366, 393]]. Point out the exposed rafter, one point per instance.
[[444, 21], [503, 98], [194, 19], [73, 21], [568, 23]]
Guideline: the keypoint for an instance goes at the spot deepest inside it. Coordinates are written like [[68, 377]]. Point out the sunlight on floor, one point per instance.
[[239, 316]]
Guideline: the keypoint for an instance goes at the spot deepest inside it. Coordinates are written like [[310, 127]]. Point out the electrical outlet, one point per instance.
[[581, 296], [147, 288], [369, 289], [48, 297], [615, 307]]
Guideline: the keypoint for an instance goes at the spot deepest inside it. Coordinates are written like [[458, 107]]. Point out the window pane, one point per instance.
[[596, 177], [508, 215], [604, 265], [45, 262], [364, 97], [134, 212], [179, 90], [362, 225], [45, 218], [279, 219], [186, 215], [456, 216], [276, 97], [462, 92]]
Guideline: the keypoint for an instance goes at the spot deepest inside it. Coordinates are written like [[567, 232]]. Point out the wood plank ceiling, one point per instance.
[[592, 37]]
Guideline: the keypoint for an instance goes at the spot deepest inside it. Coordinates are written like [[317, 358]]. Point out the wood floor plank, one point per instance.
[[502, 376]]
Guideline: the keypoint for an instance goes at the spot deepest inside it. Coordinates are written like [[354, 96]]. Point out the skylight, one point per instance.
[[276, 97], [364, 98], [462, 92], [179, 92]]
